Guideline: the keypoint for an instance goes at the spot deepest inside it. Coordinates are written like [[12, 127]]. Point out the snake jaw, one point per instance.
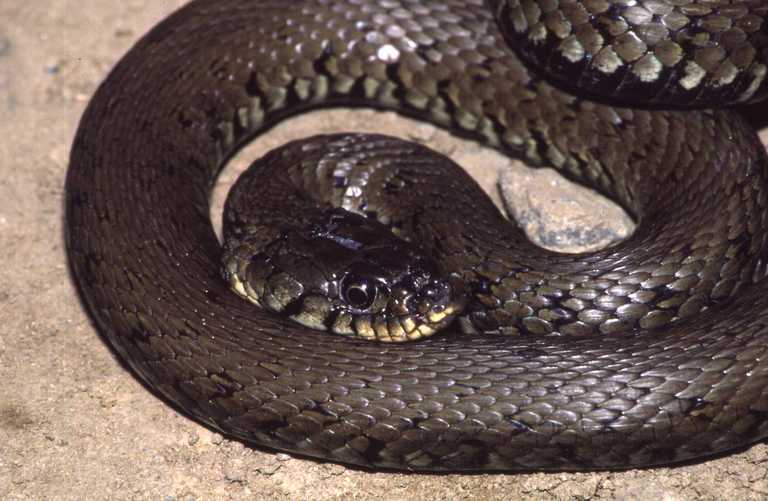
[[423, 308], [415, 308]]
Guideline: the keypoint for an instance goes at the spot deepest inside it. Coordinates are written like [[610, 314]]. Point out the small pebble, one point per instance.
[[560, 215]]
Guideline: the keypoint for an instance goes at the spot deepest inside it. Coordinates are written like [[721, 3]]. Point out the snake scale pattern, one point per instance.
[[662, 347]]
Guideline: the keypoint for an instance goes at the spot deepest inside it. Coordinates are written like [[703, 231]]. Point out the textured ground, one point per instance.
[[75, 425]]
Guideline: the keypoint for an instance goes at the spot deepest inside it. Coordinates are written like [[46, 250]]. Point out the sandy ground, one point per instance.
[[75, 425]]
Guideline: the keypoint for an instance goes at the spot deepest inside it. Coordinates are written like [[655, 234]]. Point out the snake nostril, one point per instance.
[[435, 294]]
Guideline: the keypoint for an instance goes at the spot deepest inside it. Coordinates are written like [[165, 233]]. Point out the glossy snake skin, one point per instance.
[[663, 353]]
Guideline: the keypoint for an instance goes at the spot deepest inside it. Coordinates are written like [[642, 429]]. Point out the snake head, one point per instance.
[[350, 275]]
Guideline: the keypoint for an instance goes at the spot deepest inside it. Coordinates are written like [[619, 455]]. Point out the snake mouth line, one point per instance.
[[400, 329]]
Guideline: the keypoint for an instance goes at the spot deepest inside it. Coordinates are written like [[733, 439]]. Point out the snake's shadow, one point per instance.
[[757, 114]]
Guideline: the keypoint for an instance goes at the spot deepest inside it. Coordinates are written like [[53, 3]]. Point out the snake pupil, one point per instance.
[[360, 294]]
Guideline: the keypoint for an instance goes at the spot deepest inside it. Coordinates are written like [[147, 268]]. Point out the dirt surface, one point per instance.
[[75, 425]]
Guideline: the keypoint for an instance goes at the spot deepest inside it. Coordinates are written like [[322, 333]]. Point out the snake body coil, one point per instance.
[[681, 371]]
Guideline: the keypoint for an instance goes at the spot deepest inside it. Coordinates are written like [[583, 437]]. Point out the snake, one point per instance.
[[650, 352]]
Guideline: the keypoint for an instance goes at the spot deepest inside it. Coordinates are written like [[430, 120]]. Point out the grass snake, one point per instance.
[[652, 351]]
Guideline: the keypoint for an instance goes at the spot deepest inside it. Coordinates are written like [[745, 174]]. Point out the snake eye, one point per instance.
[[359, 293]]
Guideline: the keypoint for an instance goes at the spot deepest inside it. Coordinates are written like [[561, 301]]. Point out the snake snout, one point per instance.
[[427, 305], [437, 296]]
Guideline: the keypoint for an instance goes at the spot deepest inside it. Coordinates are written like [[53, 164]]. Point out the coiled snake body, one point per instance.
[[680, 369]]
